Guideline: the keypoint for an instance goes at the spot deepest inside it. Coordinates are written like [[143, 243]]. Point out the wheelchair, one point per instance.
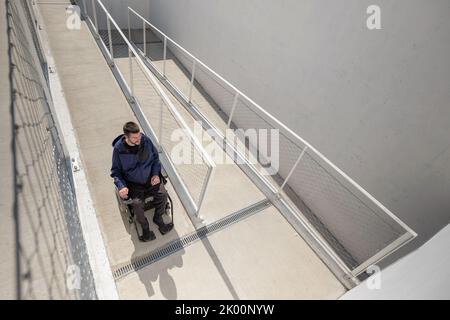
[[126, 208]]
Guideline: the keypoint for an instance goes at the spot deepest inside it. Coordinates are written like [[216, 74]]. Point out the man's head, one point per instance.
[[132, 133]]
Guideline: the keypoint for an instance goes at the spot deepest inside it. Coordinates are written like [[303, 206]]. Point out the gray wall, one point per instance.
[[118, 9], [376, 103]]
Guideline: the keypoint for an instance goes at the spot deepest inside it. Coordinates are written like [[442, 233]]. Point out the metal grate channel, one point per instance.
[[178, 244]]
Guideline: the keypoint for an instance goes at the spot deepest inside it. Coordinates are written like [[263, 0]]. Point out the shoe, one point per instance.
[[163, 227], [147, 235]]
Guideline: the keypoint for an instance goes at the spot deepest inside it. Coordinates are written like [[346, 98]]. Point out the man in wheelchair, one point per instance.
[[136, 171]]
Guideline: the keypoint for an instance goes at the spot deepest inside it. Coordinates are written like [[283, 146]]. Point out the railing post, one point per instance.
[[129, 27], [192, 81], [145, 38], [94, 10], [131, 72], [164, 56], [293, 167], [110, 39], [232, 109]]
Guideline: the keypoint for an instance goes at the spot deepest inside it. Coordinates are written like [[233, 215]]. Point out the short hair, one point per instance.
[[130, 127]]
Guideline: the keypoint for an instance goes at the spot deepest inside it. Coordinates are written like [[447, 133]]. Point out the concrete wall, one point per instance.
[[375, 102], [410, 278], [118, 9]]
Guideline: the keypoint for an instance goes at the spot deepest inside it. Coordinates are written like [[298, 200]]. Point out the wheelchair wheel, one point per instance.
[[124, 208]]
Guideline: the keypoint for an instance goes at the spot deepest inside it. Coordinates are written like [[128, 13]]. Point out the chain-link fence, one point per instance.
[[52, 260]]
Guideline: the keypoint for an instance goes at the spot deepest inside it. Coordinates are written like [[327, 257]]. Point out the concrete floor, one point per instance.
[[261, 257]]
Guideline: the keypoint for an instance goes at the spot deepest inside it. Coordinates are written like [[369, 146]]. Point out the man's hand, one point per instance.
[[155, 180], [123, 193]]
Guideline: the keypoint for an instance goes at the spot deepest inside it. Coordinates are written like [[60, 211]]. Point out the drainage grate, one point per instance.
[[188, 239]]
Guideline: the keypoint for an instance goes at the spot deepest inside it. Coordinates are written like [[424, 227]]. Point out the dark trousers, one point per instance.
[[138, 195]]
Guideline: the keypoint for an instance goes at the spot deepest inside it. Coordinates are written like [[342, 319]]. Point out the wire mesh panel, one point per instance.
[[154, 50], [147, 39], [122, 56], [171, 134], [179, 69], [120, 48], [214, 98], [52, 261], [270, 150], [358, 227]]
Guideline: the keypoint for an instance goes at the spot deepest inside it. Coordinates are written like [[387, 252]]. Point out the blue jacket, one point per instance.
[[137, 168]]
